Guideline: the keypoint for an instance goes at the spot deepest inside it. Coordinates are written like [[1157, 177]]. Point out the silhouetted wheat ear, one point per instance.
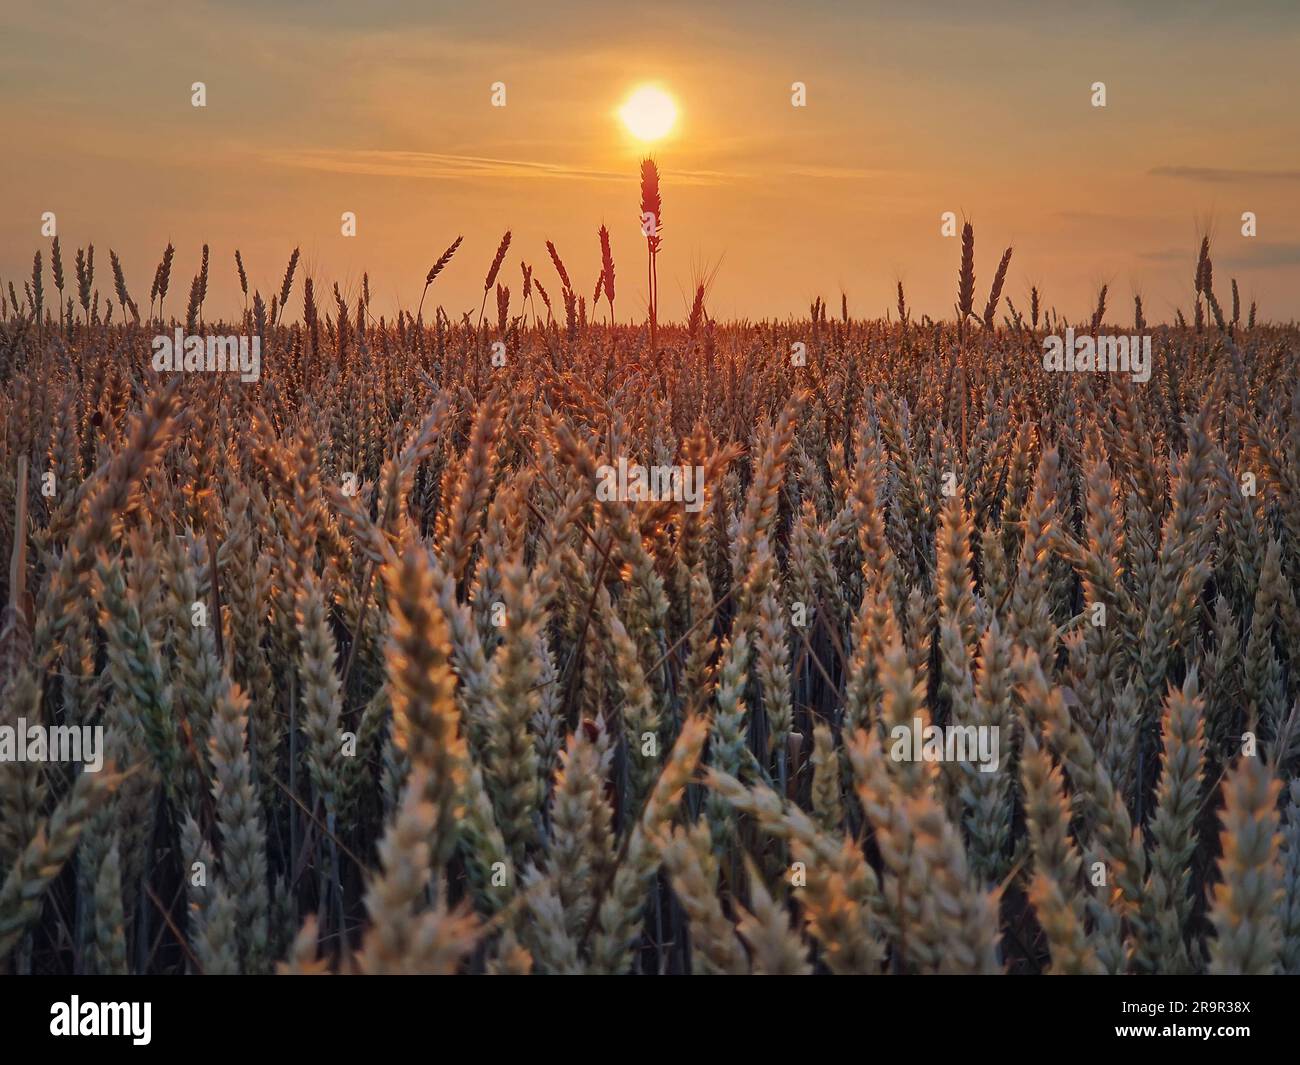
[[995, 292], [1099, 314], [497, 260], [697, 313], [607, 267], [1202, 260], [436, 269], [559, 265], [287, 285], [966, 274], [651, 202], [442, 262]]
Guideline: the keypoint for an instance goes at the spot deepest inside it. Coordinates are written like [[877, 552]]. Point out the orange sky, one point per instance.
[[384, 109]]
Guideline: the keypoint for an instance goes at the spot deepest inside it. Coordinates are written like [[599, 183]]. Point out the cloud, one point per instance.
[[1125, 217], [1170, 255], [832, 172], [396, 163], [1215, 175], [438, 165], [1265, 254], [1259, 255]]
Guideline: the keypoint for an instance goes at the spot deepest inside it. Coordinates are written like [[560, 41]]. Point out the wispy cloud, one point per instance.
[[1095, 217], [1262, 255], [438, 165], [1170, 255], [1215, 175], [832, 172], [396, 163], [1266, 254]]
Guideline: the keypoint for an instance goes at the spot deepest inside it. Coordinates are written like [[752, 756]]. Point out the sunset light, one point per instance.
[[649, 113]]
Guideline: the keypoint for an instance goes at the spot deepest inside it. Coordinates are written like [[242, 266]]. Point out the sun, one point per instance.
[[649, 113]]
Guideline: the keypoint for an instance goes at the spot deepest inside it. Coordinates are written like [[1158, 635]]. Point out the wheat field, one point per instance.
[[387, 685]]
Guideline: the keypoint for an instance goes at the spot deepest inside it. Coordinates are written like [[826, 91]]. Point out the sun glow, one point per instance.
[[649, 113]]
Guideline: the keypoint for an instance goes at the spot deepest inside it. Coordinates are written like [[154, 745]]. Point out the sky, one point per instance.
[[384, 108]]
